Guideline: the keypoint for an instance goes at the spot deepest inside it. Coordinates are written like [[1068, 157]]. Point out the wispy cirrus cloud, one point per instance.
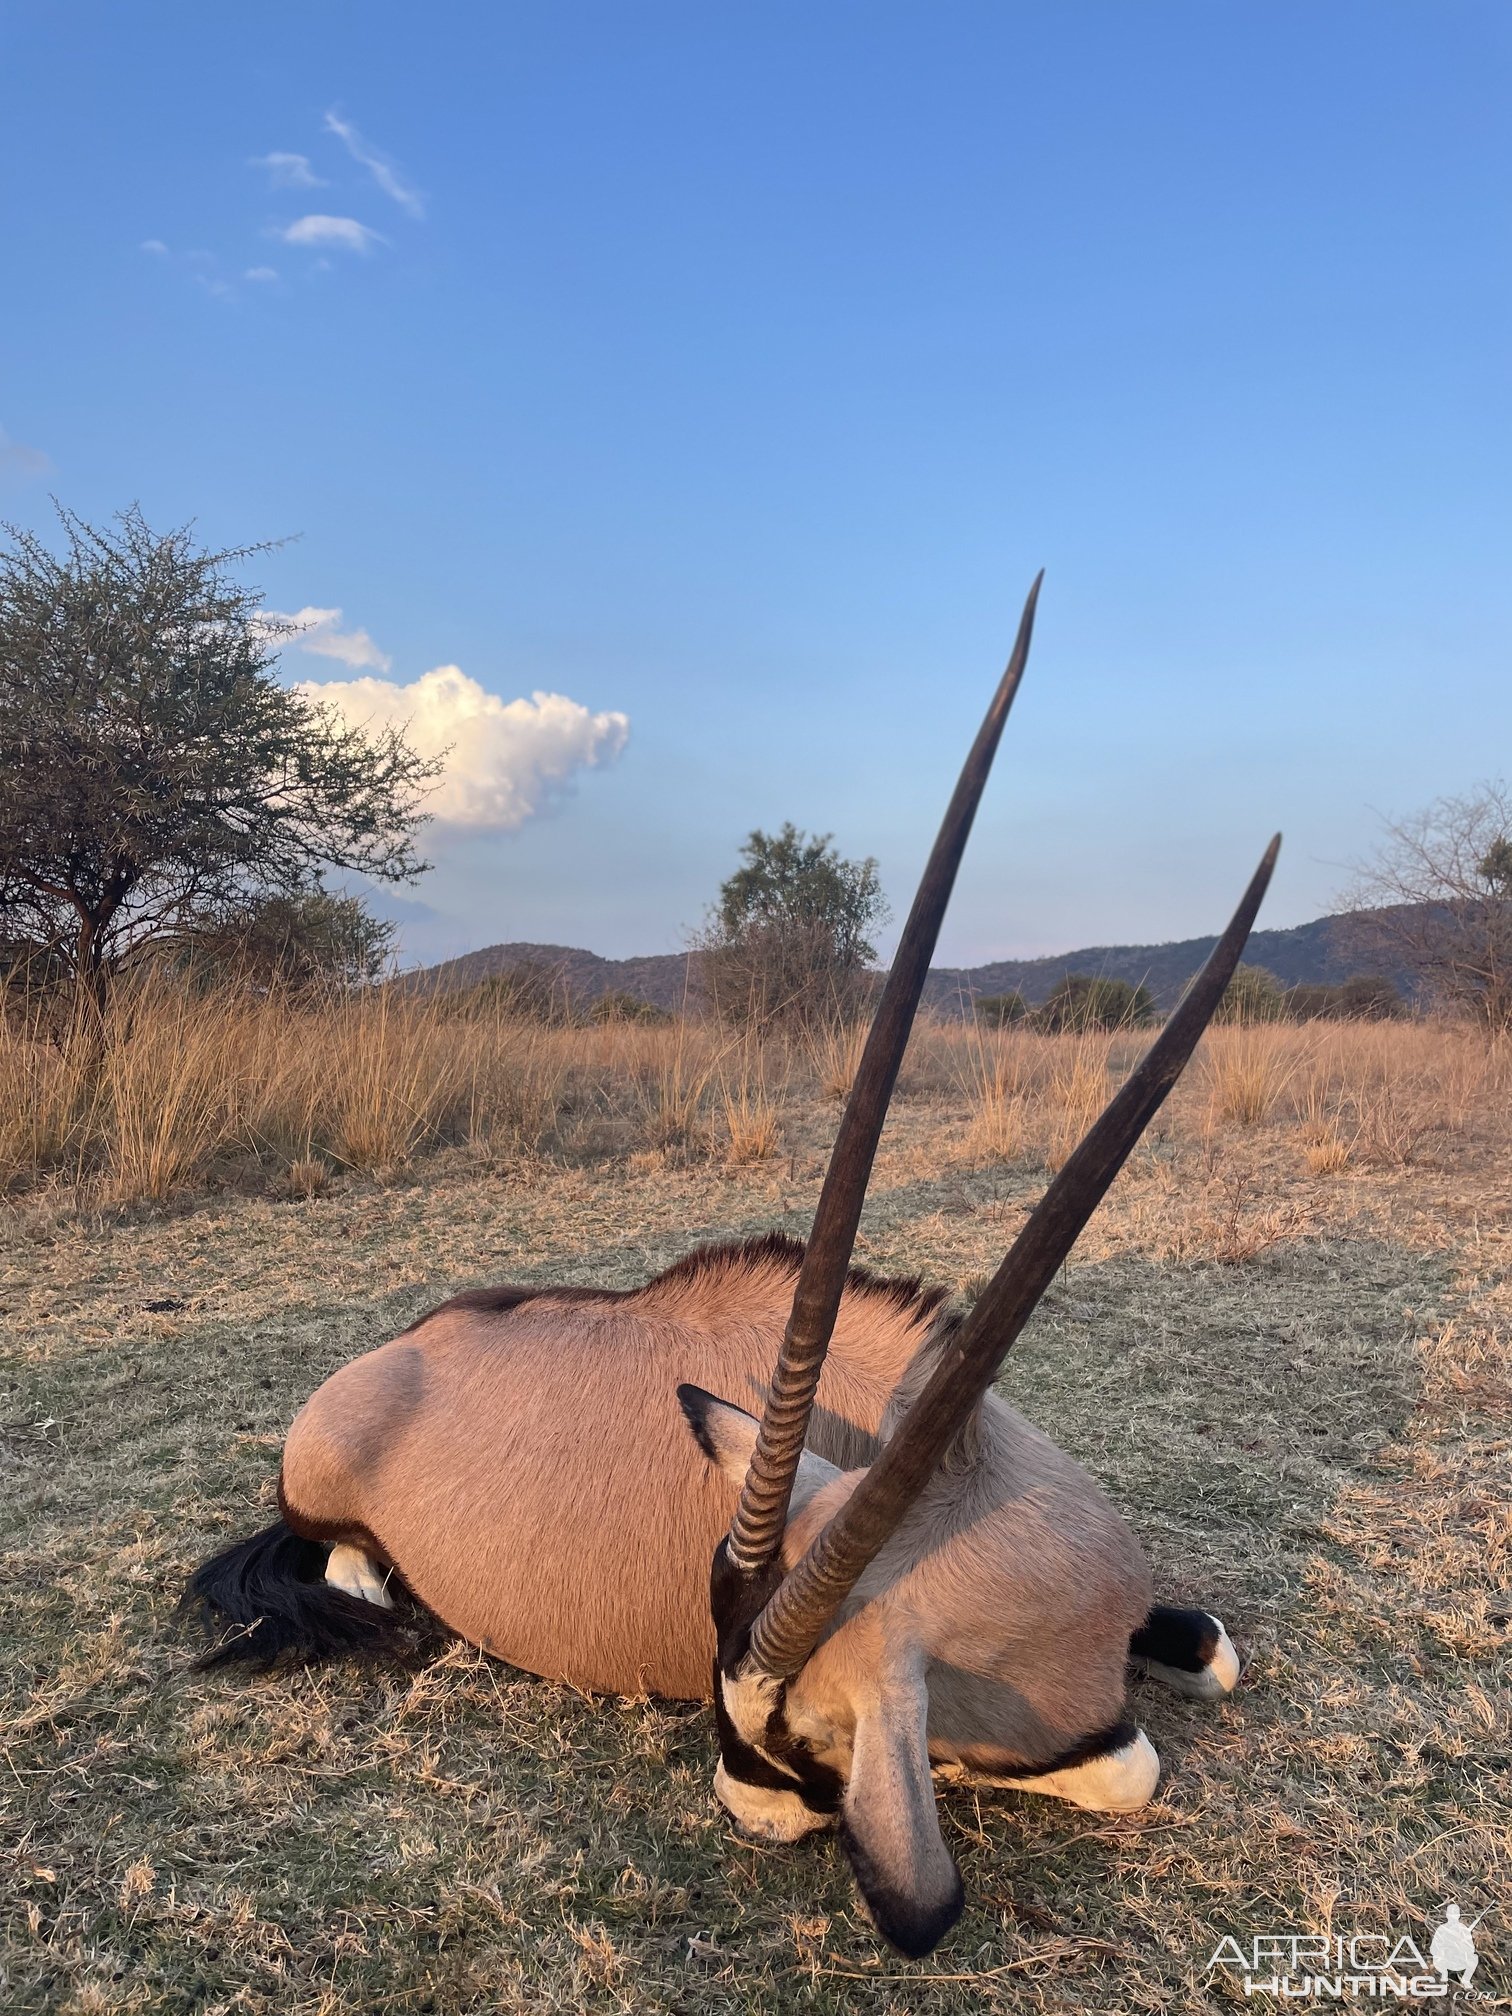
[[288, 171], [379, 166], [261, 274], [17, 458], [155, 247], [319, 632], [318, 232]]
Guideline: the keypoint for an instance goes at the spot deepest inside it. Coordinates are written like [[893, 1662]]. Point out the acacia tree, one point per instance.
[[157, 782], [789, 939], [1436, 900]]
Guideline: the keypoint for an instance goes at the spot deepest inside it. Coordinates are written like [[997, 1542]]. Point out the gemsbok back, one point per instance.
[[907, 1577]]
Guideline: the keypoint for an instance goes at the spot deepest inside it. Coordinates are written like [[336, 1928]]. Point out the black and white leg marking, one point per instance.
[[1114, 1771], [1188, 1650]]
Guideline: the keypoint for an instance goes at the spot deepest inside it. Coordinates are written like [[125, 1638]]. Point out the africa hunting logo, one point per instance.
[[1339, 1966]]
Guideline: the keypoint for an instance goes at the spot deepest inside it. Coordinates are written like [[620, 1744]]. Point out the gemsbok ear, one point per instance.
[[890, 1824], [727, 1436]]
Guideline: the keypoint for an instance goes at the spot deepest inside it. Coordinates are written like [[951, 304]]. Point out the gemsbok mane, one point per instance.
[[907, 1576]]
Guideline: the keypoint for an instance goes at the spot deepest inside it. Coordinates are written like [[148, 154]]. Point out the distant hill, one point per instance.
[[661, 979], [1325, 951]]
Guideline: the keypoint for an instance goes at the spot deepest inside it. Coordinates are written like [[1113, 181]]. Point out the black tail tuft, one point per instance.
[[267, 1597]]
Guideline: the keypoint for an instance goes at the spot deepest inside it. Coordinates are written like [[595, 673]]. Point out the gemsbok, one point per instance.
[[907, 1575]]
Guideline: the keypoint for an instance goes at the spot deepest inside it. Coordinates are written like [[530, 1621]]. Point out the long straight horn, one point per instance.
[[791, 1624], [760, 1517]]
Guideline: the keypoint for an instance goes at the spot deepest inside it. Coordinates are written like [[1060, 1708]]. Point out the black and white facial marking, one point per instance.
[[769, 1777], [1188, 1650]]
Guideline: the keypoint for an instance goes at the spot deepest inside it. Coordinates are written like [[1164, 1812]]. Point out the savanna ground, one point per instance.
[[1282, 1346]]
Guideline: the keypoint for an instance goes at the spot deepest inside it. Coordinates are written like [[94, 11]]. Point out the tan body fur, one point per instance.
[[529, 1474]]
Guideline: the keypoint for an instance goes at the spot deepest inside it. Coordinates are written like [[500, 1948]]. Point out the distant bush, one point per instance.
[[529, 992], [1365, 997], [617, 1006], [300, 942], [1083, 1001], [1253, 995], [1000, 1011]]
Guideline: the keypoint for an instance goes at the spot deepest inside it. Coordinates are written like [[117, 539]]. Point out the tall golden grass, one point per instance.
[[185, 1088]]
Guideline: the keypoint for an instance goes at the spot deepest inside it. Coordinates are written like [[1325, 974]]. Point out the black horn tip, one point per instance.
[[1262, 874]]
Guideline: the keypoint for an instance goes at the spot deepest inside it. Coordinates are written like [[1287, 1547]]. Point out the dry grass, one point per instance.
[[751, 1107], [189, 1091], [1297, 1386], [1248, 1070], [835, 1052]]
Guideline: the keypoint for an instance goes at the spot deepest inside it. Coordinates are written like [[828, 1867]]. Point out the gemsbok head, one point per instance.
[[908, 1578]]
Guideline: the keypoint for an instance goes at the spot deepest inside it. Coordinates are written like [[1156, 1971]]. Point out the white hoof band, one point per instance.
[[1213, 1682], [1119, 1781], [349, 1569]]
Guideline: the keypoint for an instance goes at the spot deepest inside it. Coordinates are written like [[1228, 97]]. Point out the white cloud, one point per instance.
[[382, 170], [317, 631], [343, 231], [506, 757], [155, 246], [260, 273], [17, 458], [288, 171]]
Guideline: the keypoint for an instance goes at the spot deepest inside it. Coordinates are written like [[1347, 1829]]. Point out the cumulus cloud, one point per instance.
[[505, 758], [156, 247], [319, 632], [344, 232], [379, 166], [288, 171]]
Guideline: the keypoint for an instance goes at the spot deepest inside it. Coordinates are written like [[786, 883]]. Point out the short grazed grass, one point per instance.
[[1294, 1379]]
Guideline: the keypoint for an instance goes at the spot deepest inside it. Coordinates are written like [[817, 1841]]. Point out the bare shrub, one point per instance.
[[1437, 902]]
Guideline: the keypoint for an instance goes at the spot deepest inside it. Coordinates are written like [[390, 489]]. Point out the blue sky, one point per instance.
[[732, 369]]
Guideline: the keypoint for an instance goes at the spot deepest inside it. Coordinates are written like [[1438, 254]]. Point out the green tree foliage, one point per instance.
[[1253, 995], [157, 781], [790, 940], [1083, 1001], [797, 881], [999, 1011]]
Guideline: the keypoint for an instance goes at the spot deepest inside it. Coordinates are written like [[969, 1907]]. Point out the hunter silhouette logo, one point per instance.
[[1339, 1966], [1452, 1948]]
